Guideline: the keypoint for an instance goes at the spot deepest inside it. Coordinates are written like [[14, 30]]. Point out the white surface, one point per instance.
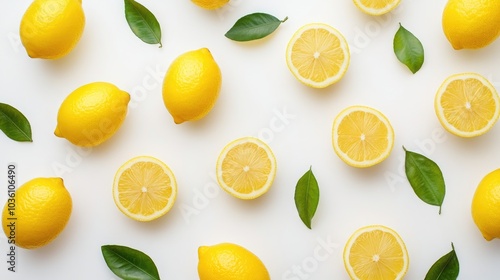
[[257, 89]]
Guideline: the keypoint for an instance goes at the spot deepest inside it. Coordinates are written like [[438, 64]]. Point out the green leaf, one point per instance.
[[446, 268], [129, 264], [253, 26], [408, 49], [14, 124], [425, 178], [307, 197], [142, 22]]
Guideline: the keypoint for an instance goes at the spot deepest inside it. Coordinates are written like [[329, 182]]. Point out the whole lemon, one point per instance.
[[471, 24], [92, 113], [51, 28], [192, 85], [37, 213], [227, 261], [486, 205], [210, 4]]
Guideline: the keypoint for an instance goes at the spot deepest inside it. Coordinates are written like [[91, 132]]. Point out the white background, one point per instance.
[[259, 97]]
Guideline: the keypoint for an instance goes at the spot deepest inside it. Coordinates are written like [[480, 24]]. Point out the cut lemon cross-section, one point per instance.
[[362, 136], [467, 104], [376, 7], [376, 253], [144, 188], [318, 55], [246, 168]]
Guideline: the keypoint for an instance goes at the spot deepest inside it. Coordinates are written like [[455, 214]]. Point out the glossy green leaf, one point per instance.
[[446, 268], [129, 264], [307, 197], [142, 22], [253, 26], [408, 49], [425, 178], [14, 124]]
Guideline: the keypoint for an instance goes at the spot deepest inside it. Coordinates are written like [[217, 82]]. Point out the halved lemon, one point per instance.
[[376, 7], [362, 136], [318, 55], [246, 168], [376, 252], [144, 188], [467, 104]]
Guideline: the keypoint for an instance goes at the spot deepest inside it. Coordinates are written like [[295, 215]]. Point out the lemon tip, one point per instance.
[[57, 132]]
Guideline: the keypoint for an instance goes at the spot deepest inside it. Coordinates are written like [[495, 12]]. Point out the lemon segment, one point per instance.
[[144, 188], [376, 253], [485, 207], [467, 105], [362, 136], [471, 24], [50, 29], [376, 7], [227, 261], [246, 168], [191, 86], [42, 211], [318, 55]]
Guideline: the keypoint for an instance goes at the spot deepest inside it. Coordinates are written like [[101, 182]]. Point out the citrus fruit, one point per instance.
[[210, 4], [227, 261], [192, 85], [467, 104], [51, 28], [318, 55], [41, 210], [362, 136], [246, 168], [471, 24], [375, 252], [91, 114], [486, 205], [144, 188], [376, 7]]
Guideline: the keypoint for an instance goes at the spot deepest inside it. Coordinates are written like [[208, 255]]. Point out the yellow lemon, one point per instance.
[[210, 4], [376, 253], [51, 28], [246, 168], [144, 188], [362, 136], [318, 55], [38, 214], [91, 114], [467, 104], [376, 7], [471, 24], [486, 205], [227, 261], [192, 85]]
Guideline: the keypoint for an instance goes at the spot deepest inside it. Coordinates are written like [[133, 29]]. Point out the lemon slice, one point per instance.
[[246, 168], [362, 136], [144, 188], [377, 253], [467, 105], [318, 55], [376, 7]]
